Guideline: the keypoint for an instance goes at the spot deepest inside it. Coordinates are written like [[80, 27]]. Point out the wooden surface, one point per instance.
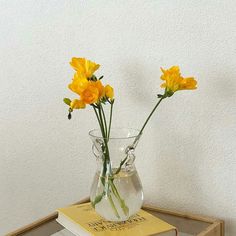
[[188, 223]]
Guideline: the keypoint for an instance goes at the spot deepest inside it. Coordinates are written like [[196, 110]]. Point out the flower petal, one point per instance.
[[77, 104], [109, 92], [84, 66]]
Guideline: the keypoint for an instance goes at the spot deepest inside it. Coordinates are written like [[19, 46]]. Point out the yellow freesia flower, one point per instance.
[[90, 95], [77, 104], [100, 87], [79, 83], [109, 92], [89, 91], [174, 81], [84, 66]]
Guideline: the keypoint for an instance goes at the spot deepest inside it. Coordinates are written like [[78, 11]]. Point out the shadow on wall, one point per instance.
[[193, 148], [185, 162], [223, 86], [179, 168]]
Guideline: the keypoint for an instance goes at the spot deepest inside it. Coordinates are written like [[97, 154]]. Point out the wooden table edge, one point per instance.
[[40, 222]]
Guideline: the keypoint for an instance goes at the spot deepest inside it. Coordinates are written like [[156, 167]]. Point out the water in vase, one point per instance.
[[129, 188]]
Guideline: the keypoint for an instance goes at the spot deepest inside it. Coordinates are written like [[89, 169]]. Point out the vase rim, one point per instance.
[[129, 134]]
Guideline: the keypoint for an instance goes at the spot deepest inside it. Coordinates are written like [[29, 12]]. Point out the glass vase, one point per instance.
[[116, 192]]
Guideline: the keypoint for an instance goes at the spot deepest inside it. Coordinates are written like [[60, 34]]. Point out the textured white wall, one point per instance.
[[186, 157]]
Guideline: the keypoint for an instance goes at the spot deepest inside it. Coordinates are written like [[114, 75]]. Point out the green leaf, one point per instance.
[[67, 101], [97, 199]]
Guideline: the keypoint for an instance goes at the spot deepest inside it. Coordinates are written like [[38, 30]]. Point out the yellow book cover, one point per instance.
[[82, 220]]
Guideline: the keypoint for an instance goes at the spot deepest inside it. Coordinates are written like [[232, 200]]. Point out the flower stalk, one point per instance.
[[140, 133]]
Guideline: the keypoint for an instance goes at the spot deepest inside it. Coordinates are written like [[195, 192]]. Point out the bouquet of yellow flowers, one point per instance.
[[114, 179]]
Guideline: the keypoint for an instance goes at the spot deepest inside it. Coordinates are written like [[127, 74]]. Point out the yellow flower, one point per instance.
[[91, 94], [84, 66], [174, 81], [100, 87], [89, 91], [109, 92], [188, 83], [79, 83], [84, 84], [77, 104]]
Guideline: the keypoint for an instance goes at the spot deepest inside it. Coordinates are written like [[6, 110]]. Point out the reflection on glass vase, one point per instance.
[[116, 191]]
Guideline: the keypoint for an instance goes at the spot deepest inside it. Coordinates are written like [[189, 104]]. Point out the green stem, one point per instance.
[[117, 195], [104, 120], [103, 126], [99, 118], [109, 128], [113, 206], [107, 155], [99, 122], [121, 164], [153, 110], [140, 133]]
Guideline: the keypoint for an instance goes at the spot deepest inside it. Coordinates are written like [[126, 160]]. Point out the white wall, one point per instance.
[[188, 150]]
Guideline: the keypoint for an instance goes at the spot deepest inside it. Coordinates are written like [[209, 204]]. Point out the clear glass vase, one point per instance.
[[116, 191]]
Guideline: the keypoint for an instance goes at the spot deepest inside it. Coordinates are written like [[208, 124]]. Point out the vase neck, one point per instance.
[[121, 144]]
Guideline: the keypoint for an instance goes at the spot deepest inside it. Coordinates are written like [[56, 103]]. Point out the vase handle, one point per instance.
[[97, 148], [131, 157], [95, 151]]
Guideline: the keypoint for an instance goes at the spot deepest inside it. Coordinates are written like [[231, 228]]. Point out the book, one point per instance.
[[65, 232], [82, 220]]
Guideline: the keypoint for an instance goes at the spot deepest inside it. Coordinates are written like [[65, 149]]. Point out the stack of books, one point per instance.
[[82, 220]]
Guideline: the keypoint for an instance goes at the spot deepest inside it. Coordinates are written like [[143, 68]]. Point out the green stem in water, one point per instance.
[[117, 195], [113, 206]]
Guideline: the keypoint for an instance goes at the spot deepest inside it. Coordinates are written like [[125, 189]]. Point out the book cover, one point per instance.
[[82, 220]]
